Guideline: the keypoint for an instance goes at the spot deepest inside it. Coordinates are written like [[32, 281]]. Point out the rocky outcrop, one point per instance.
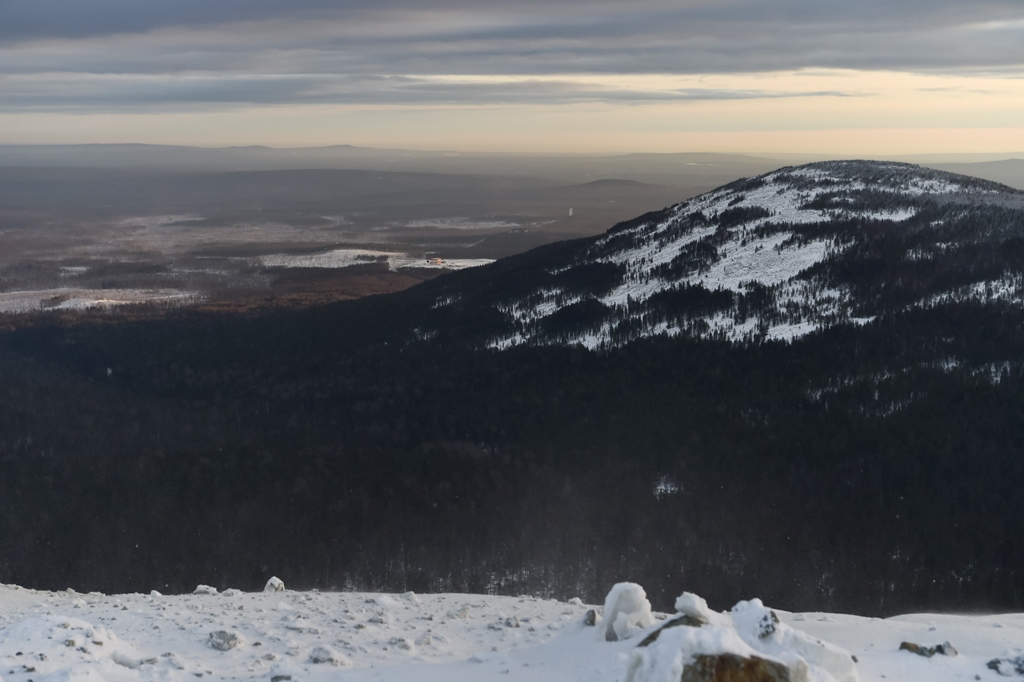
[[733, 668], [684, 620], [750, 644], [626, 611], [944, 649], [1007, 666]]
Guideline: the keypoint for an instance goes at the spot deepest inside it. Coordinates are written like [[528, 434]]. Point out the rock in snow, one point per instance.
[[760, 628], [944, 649], [733, 668], [691, 605], [626, 612], [754, 647], [1008, 666], [325, 654], [222, 640]]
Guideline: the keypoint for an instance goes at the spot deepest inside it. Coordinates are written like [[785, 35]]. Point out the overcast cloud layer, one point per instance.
[[118, 55]]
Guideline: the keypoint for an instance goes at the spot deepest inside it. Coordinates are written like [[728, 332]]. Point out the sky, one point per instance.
[[878, 77]]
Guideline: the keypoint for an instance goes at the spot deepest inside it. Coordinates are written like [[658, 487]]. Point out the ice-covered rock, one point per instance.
[[626, 611], [754, 647], [677, 651], [460, 613], [1007, 666], [286, 671], [681, 620], [222, 640], [401, 642], [761, 629], [691, 605], [275, 584], [381, 600], [325, 654]]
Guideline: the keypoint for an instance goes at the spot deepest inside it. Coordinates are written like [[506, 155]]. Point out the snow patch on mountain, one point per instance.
[[751, 259], [767, 261], [540, 304], [1008, 288], [345, 258]]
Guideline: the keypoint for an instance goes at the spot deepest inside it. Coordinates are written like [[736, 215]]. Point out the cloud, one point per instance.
[[85, 93], [137, 53]]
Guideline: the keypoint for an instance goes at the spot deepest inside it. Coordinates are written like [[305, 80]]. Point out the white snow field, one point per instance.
[[80, 299], [344, 258], [286, 636]]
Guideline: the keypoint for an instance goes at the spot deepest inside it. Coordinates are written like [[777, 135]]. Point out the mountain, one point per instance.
[[808, 386], [1007, 171], [778, 256], [681, 170]]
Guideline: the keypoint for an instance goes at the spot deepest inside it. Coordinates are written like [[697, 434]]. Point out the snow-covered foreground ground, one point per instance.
[[293, 636]]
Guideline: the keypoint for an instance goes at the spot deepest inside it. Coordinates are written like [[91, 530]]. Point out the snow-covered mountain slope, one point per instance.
[[777, 256], [295, 636]]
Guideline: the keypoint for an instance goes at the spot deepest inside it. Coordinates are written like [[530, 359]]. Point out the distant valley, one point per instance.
[[145, 228], [76, 238]]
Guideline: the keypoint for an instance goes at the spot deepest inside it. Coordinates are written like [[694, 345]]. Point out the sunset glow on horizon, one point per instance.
[[733, 76]]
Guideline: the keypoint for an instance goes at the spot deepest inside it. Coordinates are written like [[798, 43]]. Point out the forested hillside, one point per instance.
[[871, 465]]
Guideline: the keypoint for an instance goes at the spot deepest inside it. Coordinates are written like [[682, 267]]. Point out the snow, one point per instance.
[[626, 612], [765, 261], [542, 303], [689, 604], [666, 485], [312, 636], [80, 299], [1008, 288], [761, 629], [159, 220], [767, 245], [896, 216], [464, 223], [344, 258], [769, 260], [664, 660], [337, 258]]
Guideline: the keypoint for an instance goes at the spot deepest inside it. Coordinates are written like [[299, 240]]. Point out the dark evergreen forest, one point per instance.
[[849, 470], [874, 466]]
